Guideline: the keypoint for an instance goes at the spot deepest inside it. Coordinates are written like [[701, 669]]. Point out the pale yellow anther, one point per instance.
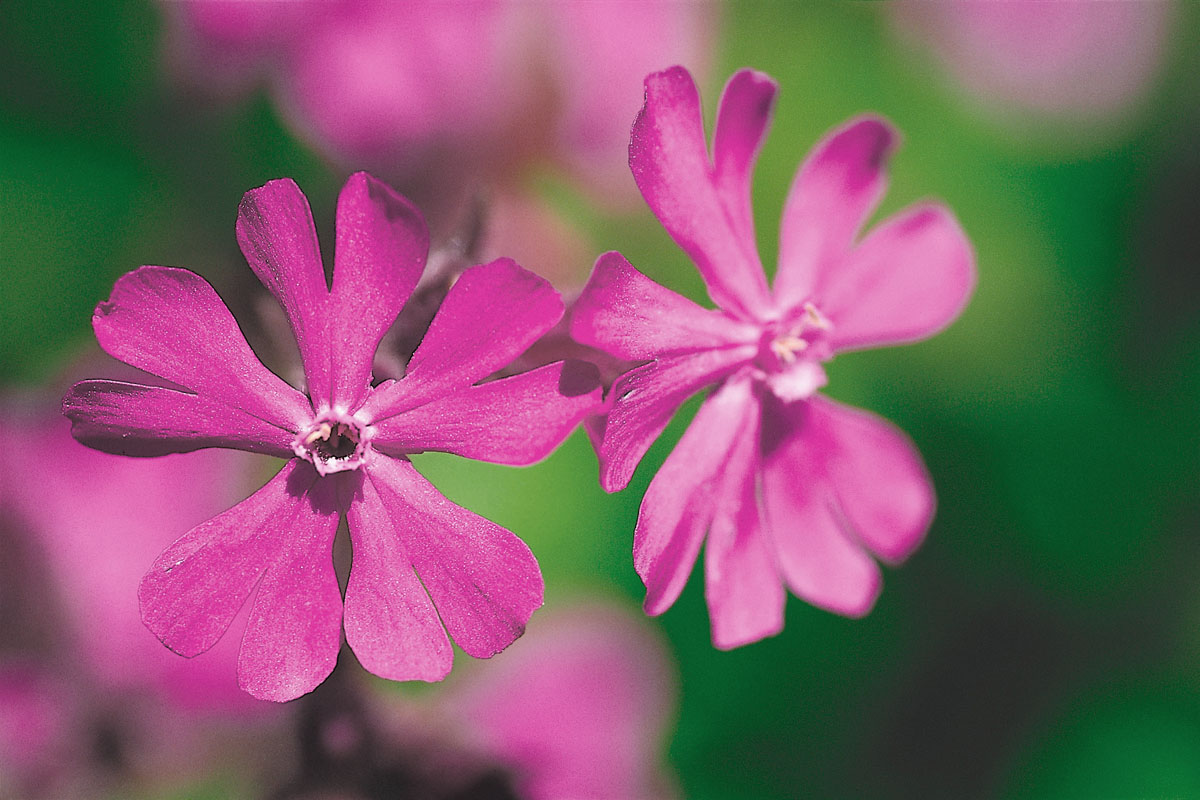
[[786, 347], [815, 317], [322, 433]]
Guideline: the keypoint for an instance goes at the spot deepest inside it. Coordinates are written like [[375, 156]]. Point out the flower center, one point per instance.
[[333, 443], [790, 354]]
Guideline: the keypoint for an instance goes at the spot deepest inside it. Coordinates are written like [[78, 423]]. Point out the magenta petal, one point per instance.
[[484, 581], [276, 233], [682, 497], [390, 621], [516, 421], [134, 420], [815, 551], [194, 589], [836, 189], [743, 117], [626, 314], [670, 163], [491, 315], [907, 280], [741, 579], [382, 243], [880, 481], [170, 323], [646, 399], [295, 627]]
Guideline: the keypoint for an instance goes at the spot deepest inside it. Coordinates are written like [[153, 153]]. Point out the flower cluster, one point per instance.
[[790, 487]]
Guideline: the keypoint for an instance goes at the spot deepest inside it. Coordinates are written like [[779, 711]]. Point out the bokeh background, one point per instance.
[[1045, 640]]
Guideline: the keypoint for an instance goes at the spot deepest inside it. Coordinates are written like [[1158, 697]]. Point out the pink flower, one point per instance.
[[420, 561], [788, 484], [73, 508], [1069, 58], [579, 709], [477, 87]]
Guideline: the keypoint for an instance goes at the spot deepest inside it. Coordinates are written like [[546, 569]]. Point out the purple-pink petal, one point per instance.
[[670, 163], [391, 624], [134, 420], [879, 479], [743, 116], [483, 580], [197, 585], [683, 496], [171, 323], [295, 627], [626, 314], [742, 583], [647, 397], [839, 185], [517, 420], [491, 315], [815, 548], [276, 233], [909, 278], [382, 243]]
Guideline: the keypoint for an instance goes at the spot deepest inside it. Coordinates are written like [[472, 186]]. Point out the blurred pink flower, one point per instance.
[[346, 442], [1064, 58], [96, 520], [579, 710], [787, 483], [456, 92]]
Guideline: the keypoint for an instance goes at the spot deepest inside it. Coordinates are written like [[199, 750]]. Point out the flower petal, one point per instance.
[[907, 280], [133, 420], [647, 397], [382, 243], [741, 579], [194, 589], [390, 621], [682, 497], [624, 313], [491, 315], [839, 185], [743, 117], [878, 478], [170, 323], [516, 421], [670, 163], [276, 233], [484, 581], [816, 554], [295, 627]]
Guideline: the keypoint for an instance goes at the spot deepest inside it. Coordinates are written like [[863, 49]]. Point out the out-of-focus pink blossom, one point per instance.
[[1061, 58], [468, 92], [424, 569], [787, 486], [579, 709], [96, 520]]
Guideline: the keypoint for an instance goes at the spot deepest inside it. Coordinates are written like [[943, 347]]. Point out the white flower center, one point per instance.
[[334, 442], [790, 354]]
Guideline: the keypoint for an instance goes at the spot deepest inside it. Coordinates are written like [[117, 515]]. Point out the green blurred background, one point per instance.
[[1044, 642]]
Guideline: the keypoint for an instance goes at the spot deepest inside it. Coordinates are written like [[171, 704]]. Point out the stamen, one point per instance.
[[816, 318], [786, 347], [322, 433]]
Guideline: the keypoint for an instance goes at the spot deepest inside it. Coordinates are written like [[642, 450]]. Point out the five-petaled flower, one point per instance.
[[422, 566], [787, 483]]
